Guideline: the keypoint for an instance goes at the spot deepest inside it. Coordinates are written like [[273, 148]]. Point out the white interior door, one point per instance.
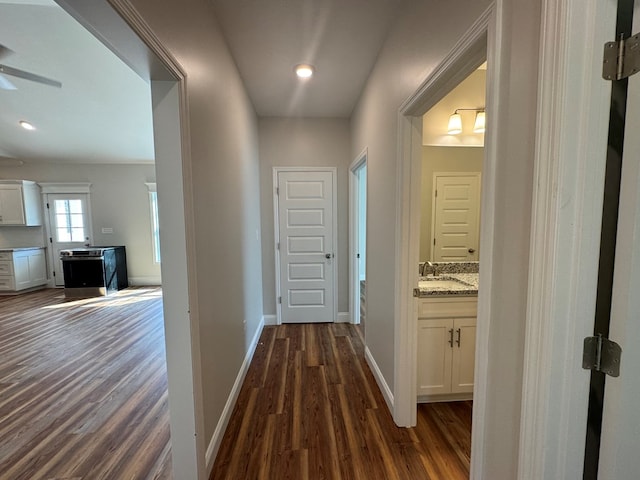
[[306, 228], [69, 226], [456, 217], [621, 421]]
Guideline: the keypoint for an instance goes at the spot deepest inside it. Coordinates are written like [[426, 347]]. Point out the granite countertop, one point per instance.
[[17, 249], [456, 284]]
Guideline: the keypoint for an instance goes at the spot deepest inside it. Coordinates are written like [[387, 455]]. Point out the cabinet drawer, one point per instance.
[[7, 283], [6, 268], [6, 256]]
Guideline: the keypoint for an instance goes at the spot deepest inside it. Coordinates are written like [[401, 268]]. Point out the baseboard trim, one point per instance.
[[377, 374], [452, 397], [270, 320], [344, 317], [145, 281], [216, 439]]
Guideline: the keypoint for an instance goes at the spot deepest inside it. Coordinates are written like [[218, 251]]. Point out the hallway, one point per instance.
[[310, 409]]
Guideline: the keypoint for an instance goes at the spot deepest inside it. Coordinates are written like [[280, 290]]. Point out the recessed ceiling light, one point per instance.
[[304, 70], [26, 125]]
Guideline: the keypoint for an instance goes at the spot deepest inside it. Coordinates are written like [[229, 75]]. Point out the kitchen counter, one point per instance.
[[19, 249], [448, 284]]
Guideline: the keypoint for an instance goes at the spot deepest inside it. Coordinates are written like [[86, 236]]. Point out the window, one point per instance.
[[69, 218], [155, 228]]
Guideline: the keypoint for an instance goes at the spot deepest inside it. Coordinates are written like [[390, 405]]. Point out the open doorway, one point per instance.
[[470, 53], [358, 240]]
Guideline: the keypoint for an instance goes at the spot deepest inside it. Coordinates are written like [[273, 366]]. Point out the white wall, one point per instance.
[[320, 142], [418, 41], [119, 200], [224, 159]]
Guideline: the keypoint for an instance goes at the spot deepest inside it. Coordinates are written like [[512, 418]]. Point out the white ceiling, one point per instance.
[[341, 38], [102, 113]]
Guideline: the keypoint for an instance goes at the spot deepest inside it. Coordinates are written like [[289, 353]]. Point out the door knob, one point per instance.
[[472, 250], [327, 255]]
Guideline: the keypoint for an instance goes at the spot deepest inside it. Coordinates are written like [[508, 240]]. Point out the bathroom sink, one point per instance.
[[445, 284]]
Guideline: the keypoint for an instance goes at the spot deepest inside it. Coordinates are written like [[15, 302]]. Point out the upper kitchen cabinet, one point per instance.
[[20, 203]]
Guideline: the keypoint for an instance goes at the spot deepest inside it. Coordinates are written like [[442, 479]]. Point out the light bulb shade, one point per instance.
[[479, 125], [455, 124]]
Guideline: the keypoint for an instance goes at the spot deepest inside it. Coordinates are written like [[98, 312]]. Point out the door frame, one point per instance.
[[570, 145], [475, 46], [354, 237], [478, 175], [48, 188], [276, 233], [122, 29]]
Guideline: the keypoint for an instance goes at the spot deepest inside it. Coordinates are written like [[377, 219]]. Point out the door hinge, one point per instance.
[[50, 239], [277, 190], [621, 58], [434, 241], [47, 204], [278, 245], [279, 299], [602, 355], [54, 273]]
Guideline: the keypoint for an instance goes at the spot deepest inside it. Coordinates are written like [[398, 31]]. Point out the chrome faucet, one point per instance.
[[433, 268]]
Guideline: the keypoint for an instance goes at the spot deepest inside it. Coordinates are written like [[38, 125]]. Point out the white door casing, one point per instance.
[[305, 211], [455, 217], [60, 238], [357, 232]]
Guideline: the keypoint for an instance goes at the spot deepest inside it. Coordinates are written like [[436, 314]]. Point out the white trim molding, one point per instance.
[[270, 320], [145, 281], [573, 107], [377, 374], [65, 187], [216, 439]]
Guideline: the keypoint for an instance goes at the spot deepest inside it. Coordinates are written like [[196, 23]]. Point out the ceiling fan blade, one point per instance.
[[5, 52], [5, 84], [29, 76]]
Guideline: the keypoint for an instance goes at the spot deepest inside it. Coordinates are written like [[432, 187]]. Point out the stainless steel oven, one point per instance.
[[94, 271]]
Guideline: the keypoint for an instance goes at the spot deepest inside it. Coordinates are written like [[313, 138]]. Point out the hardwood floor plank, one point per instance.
[[317, 413], [83, 391]]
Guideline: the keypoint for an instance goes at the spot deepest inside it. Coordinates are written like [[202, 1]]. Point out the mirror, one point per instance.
[[451, 172]]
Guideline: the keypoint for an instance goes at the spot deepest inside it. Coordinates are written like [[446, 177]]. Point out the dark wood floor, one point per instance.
[[310, 409], [83, 391]]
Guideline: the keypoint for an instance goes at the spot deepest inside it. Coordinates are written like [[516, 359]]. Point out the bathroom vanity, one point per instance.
[[447, 311]]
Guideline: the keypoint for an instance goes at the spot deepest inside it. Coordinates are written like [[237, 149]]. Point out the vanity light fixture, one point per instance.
[[26, 125], [304, 70], [455, 121]]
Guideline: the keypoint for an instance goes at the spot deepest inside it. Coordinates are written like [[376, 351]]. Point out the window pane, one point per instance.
[[61, 206], [75, 206], [77, 220], [77, 234], [63, 235], [62, 221]]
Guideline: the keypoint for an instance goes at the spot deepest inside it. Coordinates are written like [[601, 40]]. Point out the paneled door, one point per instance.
[[456, 215], [69, 226], [306, 228]]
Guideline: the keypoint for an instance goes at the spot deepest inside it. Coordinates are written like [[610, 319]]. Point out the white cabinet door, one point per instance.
[[464, 355], [37, 268], [11, 205], [434, 356], [21, 271]]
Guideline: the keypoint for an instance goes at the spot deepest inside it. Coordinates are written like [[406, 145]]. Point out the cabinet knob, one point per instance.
[[472, 250]]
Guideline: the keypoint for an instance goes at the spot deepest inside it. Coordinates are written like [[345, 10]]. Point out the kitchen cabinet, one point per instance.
[[20, 203], [22, 268], [446, 348]]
